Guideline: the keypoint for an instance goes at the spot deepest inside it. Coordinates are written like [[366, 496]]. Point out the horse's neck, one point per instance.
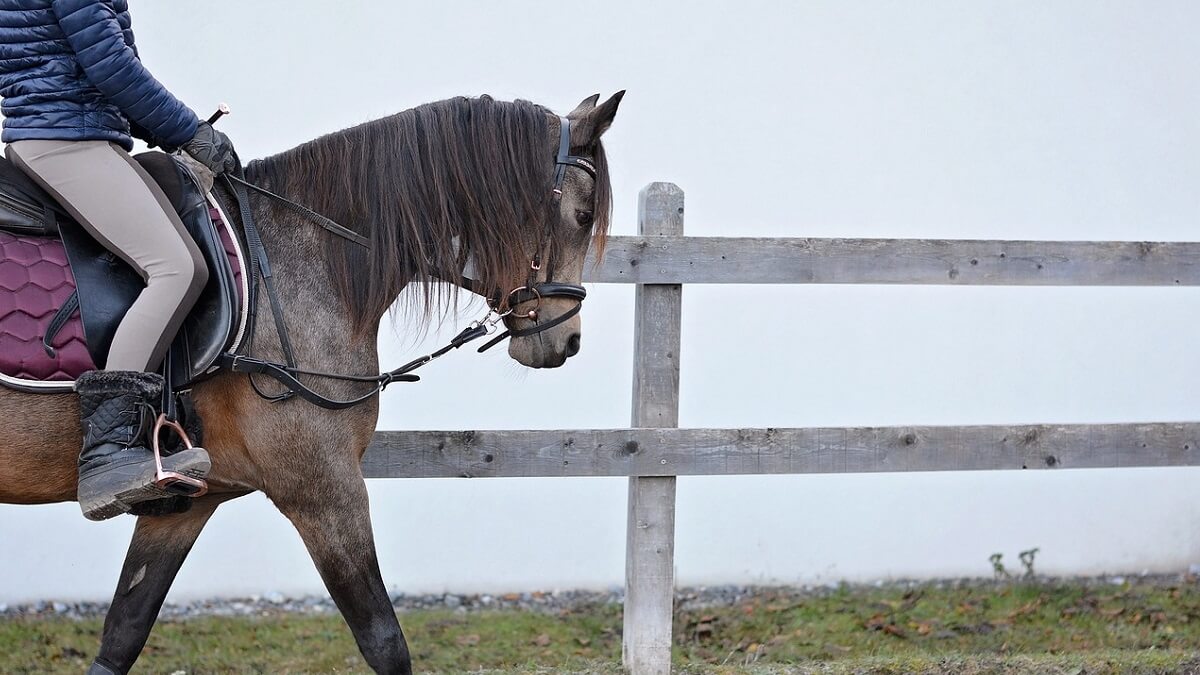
[[318, 325]]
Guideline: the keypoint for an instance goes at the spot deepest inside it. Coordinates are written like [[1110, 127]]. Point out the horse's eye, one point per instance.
[[584, 218]]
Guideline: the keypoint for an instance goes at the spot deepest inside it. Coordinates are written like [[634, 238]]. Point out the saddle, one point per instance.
[[62, 294]]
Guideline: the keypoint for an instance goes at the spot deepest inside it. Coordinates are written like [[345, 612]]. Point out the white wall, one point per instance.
[[1066, 120]]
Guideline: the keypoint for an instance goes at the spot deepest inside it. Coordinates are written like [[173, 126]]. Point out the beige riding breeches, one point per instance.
[[120, 205]]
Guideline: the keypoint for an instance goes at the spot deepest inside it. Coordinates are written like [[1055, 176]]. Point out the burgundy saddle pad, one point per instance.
[[35, 281]]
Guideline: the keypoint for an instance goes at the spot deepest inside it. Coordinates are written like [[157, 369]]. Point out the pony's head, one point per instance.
[[578, 217], [463, 191]]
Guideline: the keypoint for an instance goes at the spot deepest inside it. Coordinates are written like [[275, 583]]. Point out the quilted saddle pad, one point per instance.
[[35, 281]]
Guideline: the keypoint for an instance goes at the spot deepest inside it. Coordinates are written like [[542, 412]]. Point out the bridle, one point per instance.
[[500, 304], [533, 290]]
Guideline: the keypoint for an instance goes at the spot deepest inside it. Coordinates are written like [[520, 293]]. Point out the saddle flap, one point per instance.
[[209, 328], [105, 285]]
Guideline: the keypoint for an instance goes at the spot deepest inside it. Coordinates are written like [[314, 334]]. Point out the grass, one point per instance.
[[1066, 628]]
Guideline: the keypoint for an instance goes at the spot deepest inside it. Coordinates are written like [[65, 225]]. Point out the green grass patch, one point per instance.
[[1015, 628]]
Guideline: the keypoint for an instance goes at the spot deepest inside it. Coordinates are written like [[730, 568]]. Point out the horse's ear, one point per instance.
[[584, 106], [587, 129]]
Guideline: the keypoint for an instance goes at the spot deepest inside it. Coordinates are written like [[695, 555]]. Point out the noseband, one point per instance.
[[501, 305]]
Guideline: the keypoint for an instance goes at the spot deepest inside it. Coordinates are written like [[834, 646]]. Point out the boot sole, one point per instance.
[[96, 497]]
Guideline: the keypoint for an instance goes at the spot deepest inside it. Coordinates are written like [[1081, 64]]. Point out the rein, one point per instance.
[[499, 305]]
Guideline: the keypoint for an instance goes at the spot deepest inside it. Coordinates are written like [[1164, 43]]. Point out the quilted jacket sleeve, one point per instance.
[[113, 67]]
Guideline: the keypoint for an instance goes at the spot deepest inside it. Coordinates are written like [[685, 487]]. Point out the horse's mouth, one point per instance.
[[536, 351], [552, 361], [538, 358]]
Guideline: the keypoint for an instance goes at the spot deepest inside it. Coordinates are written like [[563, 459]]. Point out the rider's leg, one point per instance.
[[114, 199]]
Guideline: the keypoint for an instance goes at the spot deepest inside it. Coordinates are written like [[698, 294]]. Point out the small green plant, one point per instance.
[[998, 569], [1027, 561]]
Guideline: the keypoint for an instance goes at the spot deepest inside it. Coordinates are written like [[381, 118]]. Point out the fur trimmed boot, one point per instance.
[[116, 469]]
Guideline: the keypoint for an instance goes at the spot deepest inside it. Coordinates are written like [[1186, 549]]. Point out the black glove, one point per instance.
[[212, 149], [142, 134]]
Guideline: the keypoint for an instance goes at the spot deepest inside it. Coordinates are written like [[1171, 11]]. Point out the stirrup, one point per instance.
[[170, 481]]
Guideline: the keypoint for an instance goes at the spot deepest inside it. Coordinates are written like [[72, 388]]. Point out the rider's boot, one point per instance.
[[116, 469]]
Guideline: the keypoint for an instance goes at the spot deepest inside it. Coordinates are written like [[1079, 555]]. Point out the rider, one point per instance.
[[74, 90]]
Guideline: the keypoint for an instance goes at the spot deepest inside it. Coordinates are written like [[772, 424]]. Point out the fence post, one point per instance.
[[650, 533]]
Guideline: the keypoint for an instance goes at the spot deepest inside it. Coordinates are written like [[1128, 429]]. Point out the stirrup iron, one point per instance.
[[170, 481]]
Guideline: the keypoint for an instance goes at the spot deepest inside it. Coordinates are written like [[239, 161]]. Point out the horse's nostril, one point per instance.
[[573, 344]]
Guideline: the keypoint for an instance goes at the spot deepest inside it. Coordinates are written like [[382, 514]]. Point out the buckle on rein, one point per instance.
[[170, 481]]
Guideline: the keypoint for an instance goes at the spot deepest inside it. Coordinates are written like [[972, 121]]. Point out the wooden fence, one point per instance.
[[653, 451]]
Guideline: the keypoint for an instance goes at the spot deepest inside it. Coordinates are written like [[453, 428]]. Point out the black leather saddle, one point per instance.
[[106, 287]]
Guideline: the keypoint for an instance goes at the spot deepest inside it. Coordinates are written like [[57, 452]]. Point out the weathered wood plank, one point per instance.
[[731, 260], [650, 528], [709, 452]]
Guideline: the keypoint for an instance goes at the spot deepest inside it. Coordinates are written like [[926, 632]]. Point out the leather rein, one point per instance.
[[500, 305]]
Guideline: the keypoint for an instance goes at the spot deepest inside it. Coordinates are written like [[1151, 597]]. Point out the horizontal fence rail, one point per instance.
[[707, 452], [661, 260], [744, 260]]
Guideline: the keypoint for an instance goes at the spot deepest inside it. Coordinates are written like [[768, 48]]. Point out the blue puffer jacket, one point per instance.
[[69, 71]]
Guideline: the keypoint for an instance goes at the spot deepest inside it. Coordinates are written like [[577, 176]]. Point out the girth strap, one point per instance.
[[60, 319]]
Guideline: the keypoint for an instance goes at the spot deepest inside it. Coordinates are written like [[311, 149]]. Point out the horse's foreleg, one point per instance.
[[157, 551], [333, 518]]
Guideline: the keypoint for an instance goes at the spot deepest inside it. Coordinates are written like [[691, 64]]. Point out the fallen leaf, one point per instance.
[[542, 640], [875, 622]]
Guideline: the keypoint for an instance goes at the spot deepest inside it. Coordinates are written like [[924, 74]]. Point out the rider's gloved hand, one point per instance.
[[143, 134], [212, 149]]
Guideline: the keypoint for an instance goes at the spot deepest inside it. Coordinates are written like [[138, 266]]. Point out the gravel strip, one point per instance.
[[553, 602]]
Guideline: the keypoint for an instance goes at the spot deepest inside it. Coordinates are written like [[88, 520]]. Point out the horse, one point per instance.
[[451, 187]]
